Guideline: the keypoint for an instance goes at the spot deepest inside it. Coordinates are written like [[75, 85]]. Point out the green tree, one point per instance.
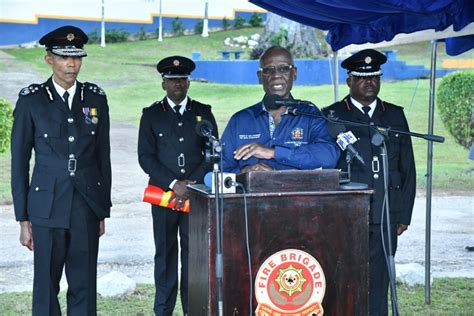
[[239, 22], [177, 26], [455, 100], [256, 20], [6, 121], [225, 23], [198, 27]]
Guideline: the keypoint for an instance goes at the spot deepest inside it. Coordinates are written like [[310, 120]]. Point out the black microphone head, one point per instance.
[[204, 128], [270, 101], [335, 129], [228, 182]]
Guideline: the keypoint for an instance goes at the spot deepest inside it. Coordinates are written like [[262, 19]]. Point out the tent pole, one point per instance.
[[429, 175], [335, 65]]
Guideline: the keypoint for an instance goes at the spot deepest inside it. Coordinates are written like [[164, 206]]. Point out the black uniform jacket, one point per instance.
[[402, 178], [168, 145], [71, 149]]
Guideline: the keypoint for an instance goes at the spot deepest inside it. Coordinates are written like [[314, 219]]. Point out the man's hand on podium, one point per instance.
[[257, 167], [246, 151]]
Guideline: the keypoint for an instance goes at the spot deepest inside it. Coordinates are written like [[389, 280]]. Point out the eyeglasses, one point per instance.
[[281, 69]]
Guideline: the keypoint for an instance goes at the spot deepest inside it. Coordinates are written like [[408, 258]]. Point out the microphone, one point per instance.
[[273, 102], [204, 128], [228, 182], [344, 140]]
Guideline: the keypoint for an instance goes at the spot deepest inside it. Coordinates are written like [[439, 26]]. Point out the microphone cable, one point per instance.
[[247, 239], [247, 245], [390, 265]]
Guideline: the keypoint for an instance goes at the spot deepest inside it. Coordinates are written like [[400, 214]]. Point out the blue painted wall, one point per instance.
[[310, 72], [19, 33]]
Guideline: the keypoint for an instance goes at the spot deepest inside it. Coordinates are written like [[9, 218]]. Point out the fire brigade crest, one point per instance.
[[290, 282], [297, 134]]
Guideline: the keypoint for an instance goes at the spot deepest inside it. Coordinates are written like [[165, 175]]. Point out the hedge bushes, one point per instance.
[[6, 121], [455, 101], [111, 36]]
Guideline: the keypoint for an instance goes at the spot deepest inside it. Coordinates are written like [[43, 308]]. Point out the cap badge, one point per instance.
[[176, 62], [368, 60], [70, 37]]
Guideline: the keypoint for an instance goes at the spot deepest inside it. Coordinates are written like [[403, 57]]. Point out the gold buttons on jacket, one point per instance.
[[70, 120], [70, 139]]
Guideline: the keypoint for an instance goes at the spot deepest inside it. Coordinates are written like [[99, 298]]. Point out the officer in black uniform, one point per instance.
[[363, 106], [172, 154], [62, 210]]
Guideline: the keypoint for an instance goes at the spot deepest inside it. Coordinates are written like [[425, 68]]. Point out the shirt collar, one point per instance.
[[182, 104], [358, 105], [60, 90]]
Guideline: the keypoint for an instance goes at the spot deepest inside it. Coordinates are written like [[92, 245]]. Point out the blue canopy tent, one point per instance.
[[374, 21]]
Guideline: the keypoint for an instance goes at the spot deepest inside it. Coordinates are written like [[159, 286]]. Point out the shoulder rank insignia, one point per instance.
[[94, 88], [32, 89]]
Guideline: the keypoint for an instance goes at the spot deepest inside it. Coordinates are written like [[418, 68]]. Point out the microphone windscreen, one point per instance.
[[335, 129], [270, 101], [204, 128], [208, 179]]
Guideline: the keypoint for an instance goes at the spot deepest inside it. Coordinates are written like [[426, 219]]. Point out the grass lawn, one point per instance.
[[448, 297], [127, 73]]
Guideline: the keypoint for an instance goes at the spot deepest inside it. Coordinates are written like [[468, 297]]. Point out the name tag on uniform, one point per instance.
[[251, 136]]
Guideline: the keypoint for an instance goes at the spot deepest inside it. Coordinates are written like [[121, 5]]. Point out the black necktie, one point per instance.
[[176, 109], [66, 99], [366, 110]]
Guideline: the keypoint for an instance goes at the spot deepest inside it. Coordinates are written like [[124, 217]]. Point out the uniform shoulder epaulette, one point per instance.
[[152, 106], [398, 107], [207, 106], [31, 89], [93, 88]]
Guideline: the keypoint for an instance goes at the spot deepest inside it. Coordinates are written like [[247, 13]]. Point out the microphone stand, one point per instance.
[[380, 129], [379, 139], [215, 156], [352, 185]]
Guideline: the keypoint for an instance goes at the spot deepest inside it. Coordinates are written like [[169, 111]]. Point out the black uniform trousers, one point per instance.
[[166, 224], [378, 268], [74, 248]]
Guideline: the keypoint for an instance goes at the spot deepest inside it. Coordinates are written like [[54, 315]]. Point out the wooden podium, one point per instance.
[[302, 210]]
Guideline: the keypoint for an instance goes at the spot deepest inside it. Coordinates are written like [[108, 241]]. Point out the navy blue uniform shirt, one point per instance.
[[300, 142]]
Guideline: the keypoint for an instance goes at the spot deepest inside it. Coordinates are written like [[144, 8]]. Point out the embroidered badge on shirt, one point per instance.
[[297, 134]]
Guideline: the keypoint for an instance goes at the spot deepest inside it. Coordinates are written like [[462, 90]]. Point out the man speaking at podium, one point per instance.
[[363, 106], [266, 136]]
